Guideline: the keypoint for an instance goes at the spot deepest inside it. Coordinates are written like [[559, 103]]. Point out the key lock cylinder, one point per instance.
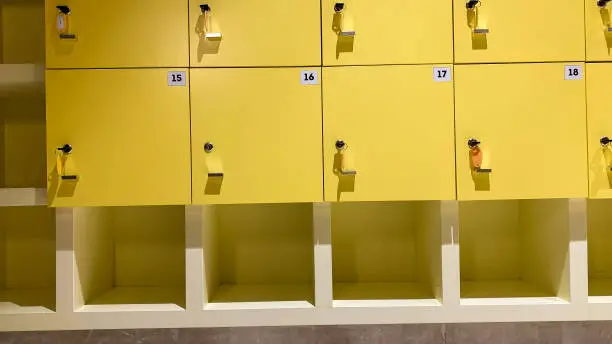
[[603, 8], [340, 22], [214, 165], [63, 22], [346, 164], [472, 12], [206, 25], [64, 163]]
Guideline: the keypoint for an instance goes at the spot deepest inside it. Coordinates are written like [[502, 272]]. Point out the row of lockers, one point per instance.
[[166, 33], [368, 133]]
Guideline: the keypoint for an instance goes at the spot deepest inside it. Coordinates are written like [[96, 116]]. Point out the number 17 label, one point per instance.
[[442, 74]]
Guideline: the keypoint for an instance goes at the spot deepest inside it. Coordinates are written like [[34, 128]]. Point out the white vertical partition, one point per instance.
[[323, 255], [194, 258], [66, 293]]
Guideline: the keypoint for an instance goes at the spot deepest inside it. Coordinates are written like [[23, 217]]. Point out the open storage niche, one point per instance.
[[599, 240], [386, 251], [259, 256], [130, 256], [22, 99], [514, 251], [27, 260]]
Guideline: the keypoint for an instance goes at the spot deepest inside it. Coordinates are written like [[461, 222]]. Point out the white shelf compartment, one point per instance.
[[18, 80], [514, 252], [599, 239], [27, 260], [386, 254], [258, 256], [130, 258]]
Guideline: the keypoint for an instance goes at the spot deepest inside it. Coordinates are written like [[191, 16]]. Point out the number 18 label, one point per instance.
[[573, 72]]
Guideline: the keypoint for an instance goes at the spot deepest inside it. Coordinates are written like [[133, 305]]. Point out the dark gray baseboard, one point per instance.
[[501, 333]]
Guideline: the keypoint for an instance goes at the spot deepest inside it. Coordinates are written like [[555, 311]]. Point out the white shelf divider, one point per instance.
[[194, 259], [21, 77], [451, 279], [65, 268], [578, 254], [323, 255], [22, 197]]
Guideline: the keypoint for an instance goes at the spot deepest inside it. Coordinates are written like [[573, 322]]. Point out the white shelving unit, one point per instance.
[[273, 265]]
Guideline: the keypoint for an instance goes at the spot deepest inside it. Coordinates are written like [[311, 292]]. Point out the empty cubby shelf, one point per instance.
[[259, 256], [130, 256], [27, 260], [514, 251], [599, 238], [387, 251]]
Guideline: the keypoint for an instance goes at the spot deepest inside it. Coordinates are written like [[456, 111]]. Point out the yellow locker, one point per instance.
[[598, 30], [118, 137], [116, 33], [600, 130], [256, 135], [360, 32], [518, 31], [255, 33], [520, 131], [388, 133]]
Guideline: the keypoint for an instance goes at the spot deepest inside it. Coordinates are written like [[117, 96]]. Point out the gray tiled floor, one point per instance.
[[506, 333]]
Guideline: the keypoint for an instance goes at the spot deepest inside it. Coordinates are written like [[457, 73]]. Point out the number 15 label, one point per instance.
[[573, 72], [177, 78]]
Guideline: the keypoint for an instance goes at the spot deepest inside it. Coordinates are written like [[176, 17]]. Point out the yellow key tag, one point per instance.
[[69, 168], [348, 163], [214, 166], [62, 25], [60, 164]]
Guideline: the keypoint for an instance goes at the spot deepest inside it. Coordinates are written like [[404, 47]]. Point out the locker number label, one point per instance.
[[309, 77], [442, 74], [573, 72], [177, 78]]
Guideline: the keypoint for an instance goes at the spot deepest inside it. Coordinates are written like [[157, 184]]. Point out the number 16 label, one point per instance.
[[309, 77], [442, 74], [573, 72]]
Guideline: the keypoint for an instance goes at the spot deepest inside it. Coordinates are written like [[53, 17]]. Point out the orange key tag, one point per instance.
[[477, 157]]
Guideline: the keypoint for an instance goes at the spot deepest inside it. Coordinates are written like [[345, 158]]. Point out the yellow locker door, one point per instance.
[[116, 33], [520, 131], [360, 32], [388, 133], [128, 137], [255, 33], [256, 135], [599, 122], [598, 30], [518, 31]]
